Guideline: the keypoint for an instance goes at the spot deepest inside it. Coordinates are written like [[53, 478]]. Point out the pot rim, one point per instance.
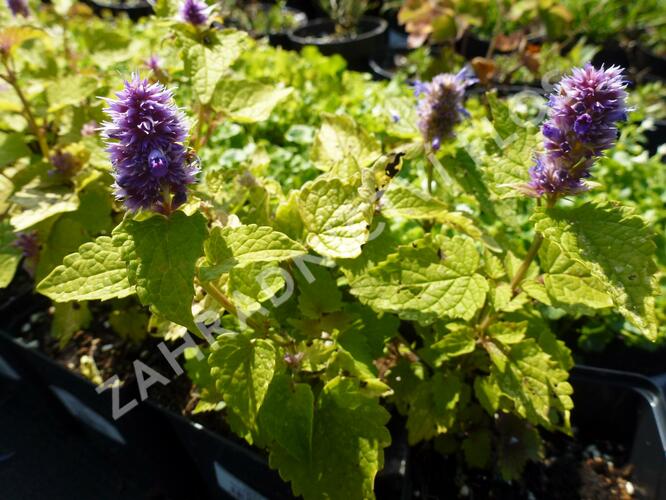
[[382, 26]]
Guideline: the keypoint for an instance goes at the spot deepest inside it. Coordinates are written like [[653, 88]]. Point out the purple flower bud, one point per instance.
[[158, 163], [154, 63], [440, 107], [89, 128], [194, 12], [64, 163], [581, 125], [145, 142], [28, 243], [18, 7]]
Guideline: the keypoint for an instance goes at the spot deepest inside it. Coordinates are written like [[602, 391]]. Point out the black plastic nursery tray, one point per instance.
[[59, 440], [176, 458]]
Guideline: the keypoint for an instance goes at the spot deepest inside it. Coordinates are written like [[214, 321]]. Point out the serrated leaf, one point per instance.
[[509, 167], [432, 407], [96, 272], [401, 200], [400, 115], [424, 283], [39, 203], [533, 382], [318, 296], [349, 432], [286, 417], [238, 246], [452, 344], [69, 91], [207, 65], [508, 333], [199, 372], [12, 147], [10, 255], [336, 217], [569, 284], [616, 248], [247, 101], [254, 283], [68, 318], [367, 336], [342, 146], [161, 254], [243, 370]]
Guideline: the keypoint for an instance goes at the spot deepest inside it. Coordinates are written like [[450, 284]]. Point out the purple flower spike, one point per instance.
[[581, 125], [18, 7], [440, 107], [194, 12], [145, 142]]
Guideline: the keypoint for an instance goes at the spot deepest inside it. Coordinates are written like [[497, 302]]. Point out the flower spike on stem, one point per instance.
[[145, 142]]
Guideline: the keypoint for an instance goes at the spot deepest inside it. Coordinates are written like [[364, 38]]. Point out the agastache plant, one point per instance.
[[440, 107], [194, 12], [584, 110], [145, 139]]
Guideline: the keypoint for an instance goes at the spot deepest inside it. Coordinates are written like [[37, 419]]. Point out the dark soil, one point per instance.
[[112, 355], [569, 471]]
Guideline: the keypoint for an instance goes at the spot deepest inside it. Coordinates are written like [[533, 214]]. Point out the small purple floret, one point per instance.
[[158, 163], [28, 244], [18, 7], [194, 12], [145, 142], [581, 125], [64, 163], [440, 107]]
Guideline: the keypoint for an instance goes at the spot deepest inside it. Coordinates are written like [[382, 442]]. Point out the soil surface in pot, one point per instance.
[[111, 354], [570, 470]]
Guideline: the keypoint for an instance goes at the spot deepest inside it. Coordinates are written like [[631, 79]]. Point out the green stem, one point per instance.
[[524, 266], [10, 78], [229, 306], [436, 164], [517, 279], [404, 341], [429, 176]]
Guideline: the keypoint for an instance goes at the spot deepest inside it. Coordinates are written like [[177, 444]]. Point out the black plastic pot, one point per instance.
[[470, 46], [134, 12], [626, 408], [229, 469], [370, 42]]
